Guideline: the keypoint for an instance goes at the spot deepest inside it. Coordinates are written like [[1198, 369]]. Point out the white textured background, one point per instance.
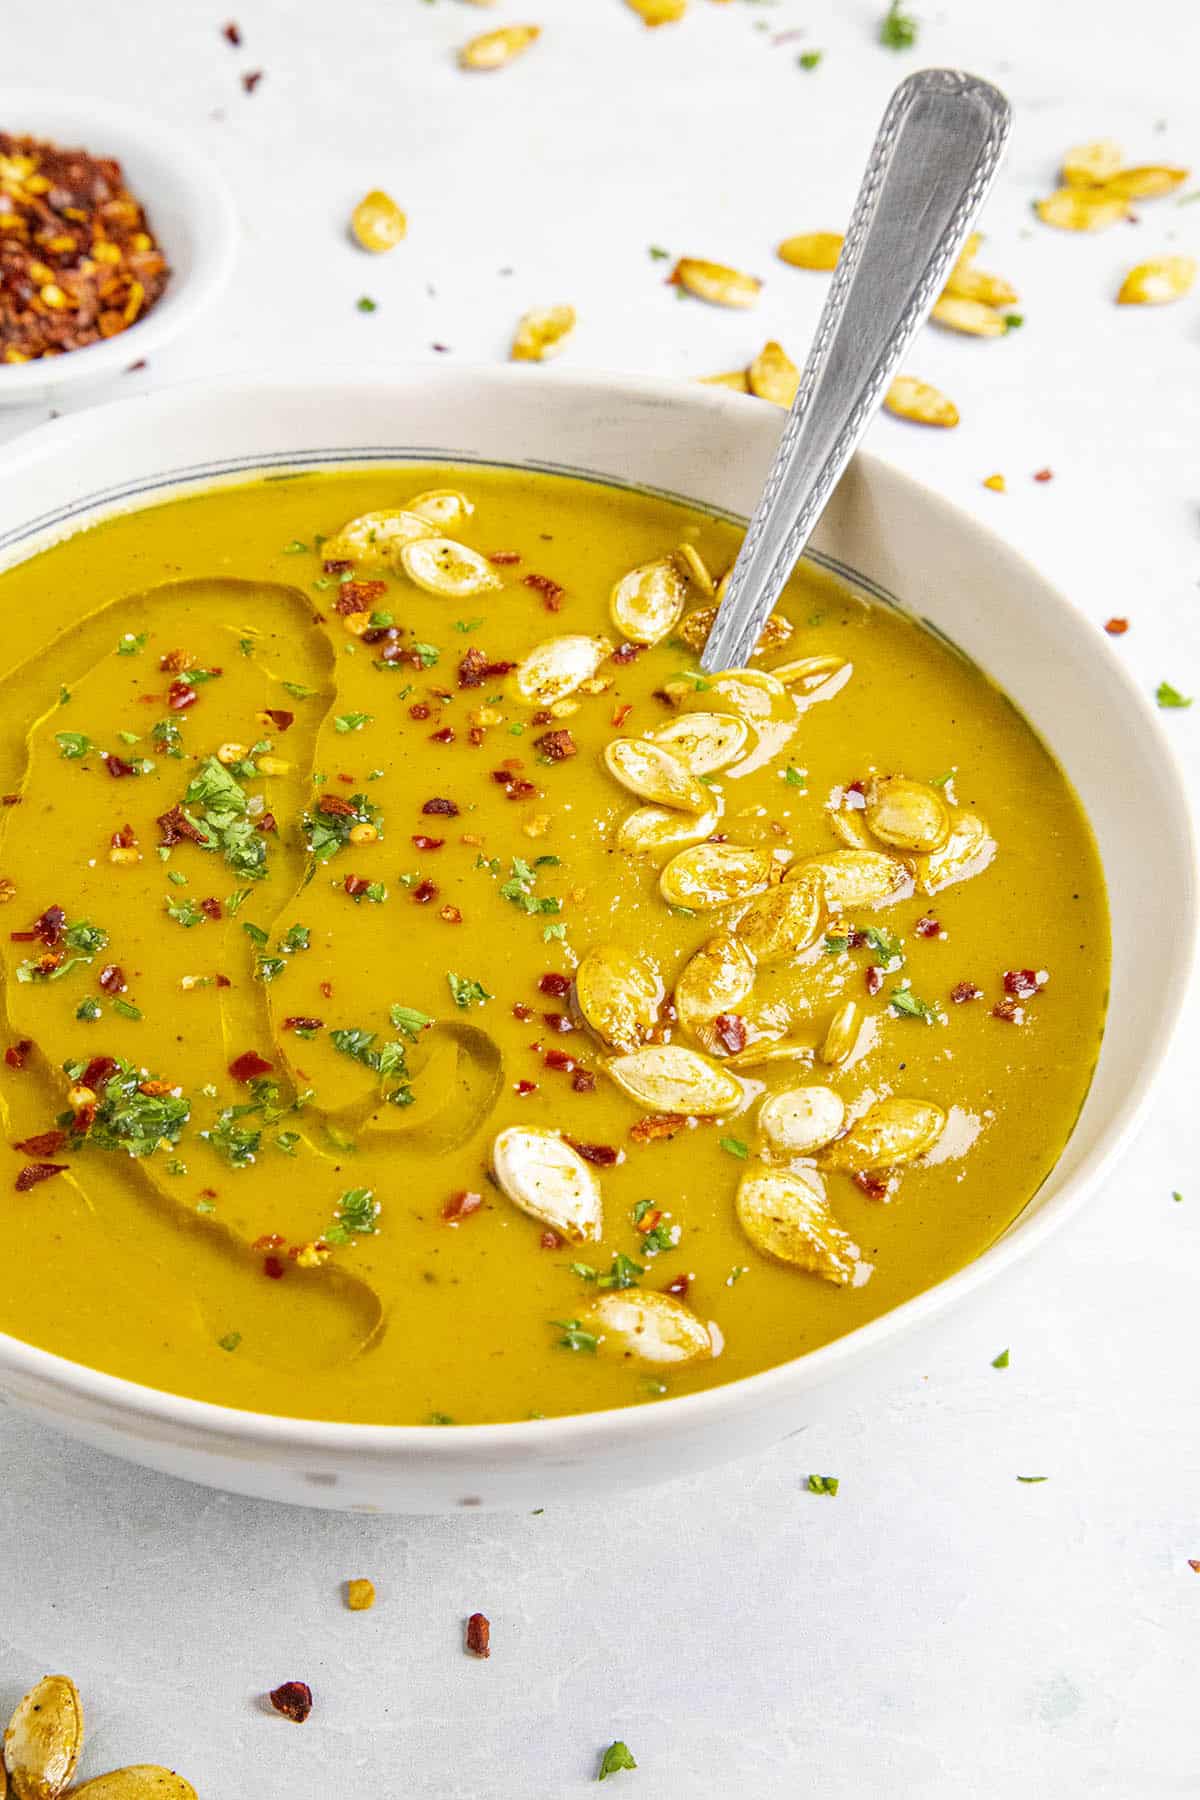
[[938, 1631]]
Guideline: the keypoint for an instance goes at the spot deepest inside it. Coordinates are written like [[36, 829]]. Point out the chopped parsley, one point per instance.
[[467, 624], [230, 1341], [127, 1119], [1013, 321], [574, 1337], [906, 1005], [1031, 1478], [1001, 1361], [238, 1142], [1164, 693], [365, 304], [797, 778], [266, 968], [465, 991], [327, 833], [623, 1273], [185, 913], [352, 721], [409, 1022], [298, 691], [658, 254], [72, 744], [217, 805], [167, 738], [835, 945], [883, 943], [127, 1009], [133, 643], [427, 655], [81, 937], [295, 939], [822, 1484], [295, 548], [88, 1009], [520, 884], [618, 1756], [356, 1215], [897, 29], [735, 1147], [385, 1060], [810, 59]]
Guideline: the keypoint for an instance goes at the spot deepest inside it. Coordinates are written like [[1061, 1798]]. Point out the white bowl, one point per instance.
[[187, 203], [712, 448]]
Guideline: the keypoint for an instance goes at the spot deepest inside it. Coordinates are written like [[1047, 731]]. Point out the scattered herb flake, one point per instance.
[[618, 1756], [735, 1147], [465, 991], [1164, 693], [822, 1484], [1001, 1361]]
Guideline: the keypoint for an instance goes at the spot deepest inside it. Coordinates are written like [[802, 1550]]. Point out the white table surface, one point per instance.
[[938, 1630]]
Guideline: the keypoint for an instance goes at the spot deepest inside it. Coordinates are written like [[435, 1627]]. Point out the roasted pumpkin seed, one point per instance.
[[653, 1328], [1156, 282], [693, 568], [704, 742], [924, 404], [970, 283], [445, 508], [619, 996], [731, 378], [494, 49], [541, 333], [850, 825], [1082, 209], [554, 669], [891, 1132], [669, 1078], [801, 1120], [695, 626], [712, 875], [446, 568], [841, 1036], [786, 1215], [907, 815], [658, 831], [546, 1178], [646, 605], [658, 12], [811, 673], [44, 1738], [967, 851], [713, 982], [377, 222], [762, 1055], [785, 921], [714, 282], [811, 250], [857, 878], [653, 774], [773, 375], [1091, 165], [1149, 182], [140, 1781], [373, 539], [970, 316]]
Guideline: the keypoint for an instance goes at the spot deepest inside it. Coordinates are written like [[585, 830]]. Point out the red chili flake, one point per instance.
[[294, 1698], [658, 1125], [583, 1081], [525, 1087], [461, 1206], [211, 908], [731, 1029], [1021, 983], [176, 826], [558, 1059], [181, 695], [541, 717], [231, 34], [356, 885], [154, 1088], [302, 1022], [327, 990], [444, 736], [423, 893], [248, 1066], [854, 796], [873, 978], [421, 842], [358, 596], [648, 1220], [250, 81], [1011, 1011], [123, 838], [450, 914], [521, 1011], [418, 710], [558, 1022], [552, 983], [270, 1240], [1194, 1563], [117, 766], [550, 1240], [966, 990], [503, 558], [282, 721], [447, 809], [679, 1287], [49, 926], [1043, 475], [267, 823], [557, 745], [625, 653], [337, 565], [551, 591], [112, 979], [174, 662], [43, 1143], [520, 790], [10, 799], [475, 667], [620, 715], [927, 927], [222, 981], [332, 805], [34, 1173], [17, 1054], [99, 1072], [479, 1635], [273, 1268], [875, 1187], [603, 1155], [1116, 627]]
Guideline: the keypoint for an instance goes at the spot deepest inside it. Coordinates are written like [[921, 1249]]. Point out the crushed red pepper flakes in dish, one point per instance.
[[43, 1143], [33, 1174], [293, 1699], [602, 1155], [1116, 627], [460, 1206], [17, 1055], [246, 1067], [964, 991], [1043, 475], [479, 1635]]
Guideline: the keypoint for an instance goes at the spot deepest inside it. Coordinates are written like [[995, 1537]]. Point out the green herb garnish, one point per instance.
[[465, 991], [356, 1215], [1164, 693], [574, 1337], [1001, 1361], [618, 1756], [72, 744], [735, 1147], [822, 1484], [897, 29], [352, 721]]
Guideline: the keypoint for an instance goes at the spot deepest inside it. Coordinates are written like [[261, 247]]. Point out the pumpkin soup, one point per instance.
[[430, 998]]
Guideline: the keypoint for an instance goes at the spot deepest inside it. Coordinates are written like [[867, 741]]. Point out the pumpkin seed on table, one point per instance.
[[841, 1036], [854, 878], [732, 378], [786, 1215], [712, 875], [713, 982], [919, 401], [1082, 209], [618, 995], [800, 1120], [890, 1133], [648, 603], [969, 316], [495, 49], [1149, 182], [773, 375], [140, 1781], [446, 568], [373, 539], [970, 283], [541, 333], [669, 1078], [695, 626], [704, 742], [654, 1328], [906, 815], [658, 831], [658, 12], [785, 921], [44, 1738], [377, 222], [554, 669], [811, 250], [967, 851], [715, 282], [653, 774], [1155, 283], [1092, 164], [543, 1176], [443, 507]]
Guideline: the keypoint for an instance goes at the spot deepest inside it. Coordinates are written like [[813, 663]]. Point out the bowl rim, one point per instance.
[[197, 188], [216, 1426]]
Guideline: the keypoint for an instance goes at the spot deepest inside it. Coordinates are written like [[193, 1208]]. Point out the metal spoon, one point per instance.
[[931, 165]]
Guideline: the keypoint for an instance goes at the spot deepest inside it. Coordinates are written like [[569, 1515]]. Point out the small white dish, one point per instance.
[[897, 540], [191, 214]]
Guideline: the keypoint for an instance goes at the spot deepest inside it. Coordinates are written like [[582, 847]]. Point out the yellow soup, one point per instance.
[[429, 998]]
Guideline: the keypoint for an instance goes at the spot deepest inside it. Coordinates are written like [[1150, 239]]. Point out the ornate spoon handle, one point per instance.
[[933, 161]]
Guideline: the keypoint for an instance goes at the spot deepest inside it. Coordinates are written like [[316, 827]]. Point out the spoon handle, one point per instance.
[[938, 148]]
